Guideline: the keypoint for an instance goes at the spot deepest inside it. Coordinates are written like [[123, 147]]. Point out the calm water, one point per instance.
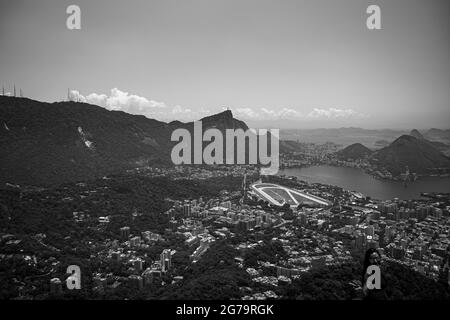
[[357, 180]]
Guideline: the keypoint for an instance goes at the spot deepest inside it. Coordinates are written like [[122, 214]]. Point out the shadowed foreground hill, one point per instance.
[[52, 143], [47, 143]]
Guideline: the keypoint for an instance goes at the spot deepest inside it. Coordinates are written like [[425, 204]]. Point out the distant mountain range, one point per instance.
[[419, 155], [438, 134], [435, 134], [412, 151], [373, 139]]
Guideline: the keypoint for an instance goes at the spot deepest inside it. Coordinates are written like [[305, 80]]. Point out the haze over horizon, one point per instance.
[[286, 64]]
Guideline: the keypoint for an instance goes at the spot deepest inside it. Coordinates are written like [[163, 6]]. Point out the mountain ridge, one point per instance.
[[354, 151], [418, 155], [51, 143]]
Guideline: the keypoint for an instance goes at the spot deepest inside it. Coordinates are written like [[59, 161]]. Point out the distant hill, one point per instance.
[[416, 134], [342, 136], [51, 143], [381, 143], [441, 146], [355, 151], [287, 146], [419, 155], [437, 134], [223, 121]]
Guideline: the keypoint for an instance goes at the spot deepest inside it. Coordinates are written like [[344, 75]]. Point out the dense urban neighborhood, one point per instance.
[[214, 237]]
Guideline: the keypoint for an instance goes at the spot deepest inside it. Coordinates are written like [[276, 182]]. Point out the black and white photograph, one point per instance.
[[252, 152]]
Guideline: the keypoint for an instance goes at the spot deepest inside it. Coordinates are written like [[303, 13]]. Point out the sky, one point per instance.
[[286, 64]]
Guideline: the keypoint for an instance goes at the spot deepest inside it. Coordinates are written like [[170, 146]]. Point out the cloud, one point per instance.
[[180, 110], [123, 101], [333, 113], [75, 95], [246, 113], [283, 113], [98, 99], [267, 114], [118, 100], [186, 114], [315, 115]]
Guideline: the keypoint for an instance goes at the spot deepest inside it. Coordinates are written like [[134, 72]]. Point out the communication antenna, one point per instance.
[[68, 94], [3, 90], [14, 90], [21, 95]]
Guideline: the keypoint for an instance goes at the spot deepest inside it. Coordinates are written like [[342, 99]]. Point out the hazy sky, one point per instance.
[[286, 63]]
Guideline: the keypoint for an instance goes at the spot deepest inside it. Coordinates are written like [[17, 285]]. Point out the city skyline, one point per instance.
[[293, 64]]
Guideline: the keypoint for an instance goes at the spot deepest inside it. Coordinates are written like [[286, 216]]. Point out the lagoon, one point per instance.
[[355, 179]]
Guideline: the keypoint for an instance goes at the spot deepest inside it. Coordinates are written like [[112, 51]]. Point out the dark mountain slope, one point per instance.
[[51, 143], [419, 155], [355, 151]]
